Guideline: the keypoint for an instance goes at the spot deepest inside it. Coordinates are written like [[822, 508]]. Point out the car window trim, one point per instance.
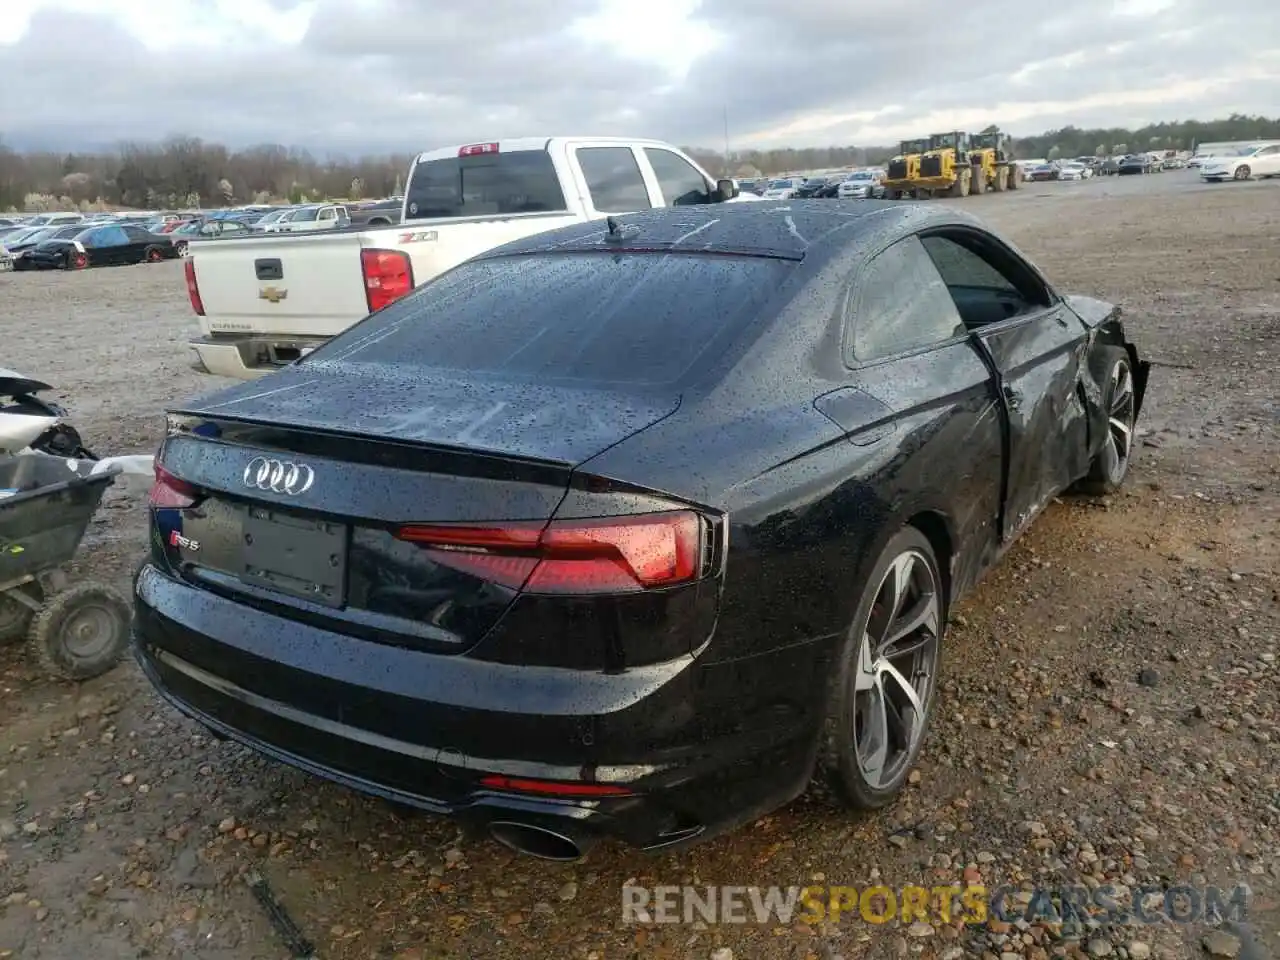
[[847, 318]]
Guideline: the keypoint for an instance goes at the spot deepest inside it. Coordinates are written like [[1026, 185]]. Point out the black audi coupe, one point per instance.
[[631, 528]]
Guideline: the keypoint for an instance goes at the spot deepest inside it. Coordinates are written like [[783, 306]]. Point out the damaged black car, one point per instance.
[[633, 529]]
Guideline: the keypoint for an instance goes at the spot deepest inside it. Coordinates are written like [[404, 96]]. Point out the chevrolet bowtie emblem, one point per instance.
[[272, 294]]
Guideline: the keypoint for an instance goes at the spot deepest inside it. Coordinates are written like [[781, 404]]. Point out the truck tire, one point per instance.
[[978, 180], [1000, 179], [1013, 178]]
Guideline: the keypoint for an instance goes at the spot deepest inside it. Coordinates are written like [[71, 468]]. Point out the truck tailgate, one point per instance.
[[290, 284]]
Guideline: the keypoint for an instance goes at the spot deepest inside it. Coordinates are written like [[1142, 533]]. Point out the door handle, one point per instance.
[[1012, 397]]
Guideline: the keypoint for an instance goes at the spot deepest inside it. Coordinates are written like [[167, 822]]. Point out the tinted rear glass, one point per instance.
[[593, 318], [522, 181]]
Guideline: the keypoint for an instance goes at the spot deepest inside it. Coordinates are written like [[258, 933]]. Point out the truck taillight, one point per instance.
[[476, 149], [388, 276], [193, 288], [614, 555]]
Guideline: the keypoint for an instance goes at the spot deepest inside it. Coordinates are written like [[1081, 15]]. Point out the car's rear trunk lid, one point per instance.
[[299, 491]]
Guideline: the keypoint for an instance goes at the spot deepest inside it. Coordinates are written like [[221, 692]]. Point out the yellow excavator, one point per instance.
[[903, 173]]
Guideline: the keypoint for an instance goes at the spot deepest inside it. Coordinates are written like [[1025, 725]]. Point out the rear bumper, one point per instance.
[[424, 729], [249, 357]]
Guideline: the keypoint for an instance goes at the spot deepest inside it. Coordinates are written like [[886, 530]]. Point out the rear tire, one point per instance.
[[1111, 463], [77, 260], [880, 702], [153, 255], [82, 632]]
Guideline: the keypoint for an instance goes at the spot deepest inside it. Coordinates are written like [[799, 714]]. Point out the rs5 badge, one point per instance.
[[186, 543]]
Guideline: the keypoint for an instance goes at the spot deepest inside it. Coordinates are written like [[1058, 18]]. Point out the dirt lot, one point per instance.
[[1111, 710]]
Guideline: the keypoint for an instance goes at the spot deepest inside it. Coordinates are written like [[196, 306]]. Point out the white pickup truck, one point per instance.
[[266, 300]]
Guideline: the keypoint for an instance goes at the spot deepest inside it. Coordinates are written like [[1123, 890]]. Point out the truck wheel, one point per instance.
[[978, 180], [1013, 178], [83, 632]]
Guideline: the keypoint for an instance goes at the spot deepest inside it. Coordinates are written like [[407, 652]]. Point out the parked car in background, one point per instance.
[[1134, 163], [1049, 170], [101, 246], [274, 216], [785, 188], [1253, 160], [265, 300], [18, 250], [207, 230], [1074, 171], [375, 213], [312, 216], [1175, 163], [861, 185], [809, 188], [725, 433], [55, 219]]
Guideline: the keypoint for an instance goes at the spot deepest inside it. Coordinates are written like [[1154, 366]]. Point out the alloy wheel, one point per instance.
[[896, 670], [1120, 418]]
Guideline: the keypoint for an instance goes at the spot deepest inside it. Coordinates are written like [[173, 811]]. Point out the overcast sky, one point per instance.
[[360, 76]]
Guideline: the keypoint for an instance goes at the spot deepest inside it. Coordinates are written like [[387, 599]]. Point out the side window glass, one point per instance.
[[613, 179], [110, 237], [982, 293], [900, 304], [682, 185]]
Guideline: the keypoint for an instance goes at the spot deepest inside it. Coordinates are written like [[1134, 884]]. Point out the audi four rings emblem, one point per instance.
[[279, 476]]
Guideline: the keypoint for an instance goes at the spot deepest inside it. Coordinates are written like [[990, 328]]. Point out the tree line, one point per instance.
[[190, 172]]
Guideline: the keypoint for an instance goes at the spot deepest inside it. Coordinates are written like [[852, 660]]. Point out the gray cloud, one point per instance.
[[414, 74]]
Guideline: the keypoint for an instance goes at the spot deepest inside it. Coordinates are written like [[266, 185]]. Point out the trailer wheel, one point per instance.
[[82, 632]]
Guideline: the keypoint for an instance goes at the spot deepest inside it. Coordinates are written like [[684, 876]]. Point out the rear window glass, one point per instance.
[[489, 184], [596, 318]]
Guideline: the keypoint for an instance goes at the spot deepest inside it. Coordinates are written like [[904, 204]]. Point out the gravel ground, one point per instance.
[[1110, 711]]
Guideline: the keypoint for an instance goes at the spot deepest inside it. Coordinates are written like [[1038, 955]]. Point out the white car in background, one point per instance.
[[784, 189], [861, 185], [1252, 160], [1074, 171]]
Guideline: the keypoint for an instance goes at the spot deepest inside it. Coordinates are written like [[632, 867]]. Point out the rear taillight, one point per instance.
[[388, 276], [608, 555], [193, 288], [168, 492]]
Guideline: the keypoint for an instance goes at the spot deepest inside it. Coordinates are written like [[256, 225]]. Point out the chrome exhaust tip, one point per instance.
[[540, 842]]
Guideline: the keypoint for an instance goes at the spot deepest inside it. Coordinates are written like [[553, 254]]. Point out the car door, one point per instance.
[[906, 347], [1036, 347], [610, 179], [134, 247], [1266, 162]]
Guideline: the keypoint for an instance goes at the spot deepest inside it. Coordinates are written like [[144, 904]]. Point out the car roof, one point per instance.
[[789, 229]]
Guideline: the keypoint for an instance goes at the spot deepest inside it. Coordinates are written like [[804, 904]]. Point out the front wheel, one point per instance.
[[1243, 172], [180, 249], [1111, 463], [886, 676]]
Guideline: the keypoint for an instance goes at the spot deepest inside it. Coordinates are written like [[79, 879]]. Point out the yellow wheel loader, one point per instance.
[[903, 172], [944, 167], [991, 157]]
